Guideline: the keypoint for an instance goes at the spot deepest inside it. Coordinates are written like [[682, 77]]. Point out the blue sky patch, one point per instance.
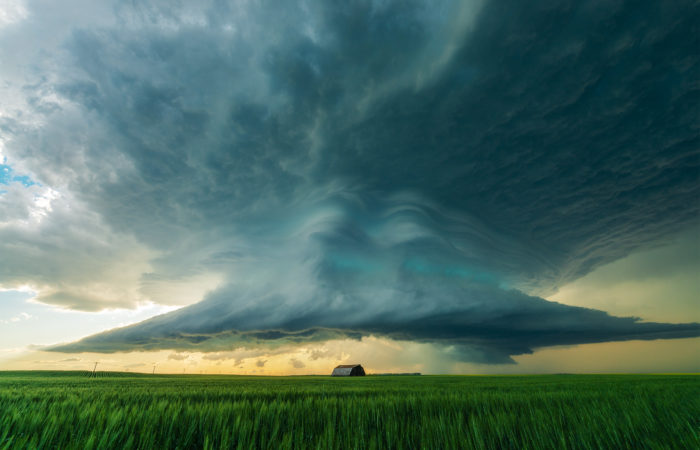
[[7, 176]]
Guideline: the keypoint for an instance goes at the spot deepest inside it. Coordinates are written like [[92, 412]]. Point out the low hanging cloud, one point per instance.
[[476, 323], [414, 170], [296, 363]]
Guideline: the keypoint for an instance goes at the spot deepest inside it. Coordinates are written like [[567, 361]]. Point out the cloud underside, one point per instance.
[[510, 324], [421, 171]]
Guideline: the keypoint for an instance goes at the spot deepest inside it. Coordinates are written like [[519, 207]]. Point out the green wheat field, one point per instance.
[[121, 410]]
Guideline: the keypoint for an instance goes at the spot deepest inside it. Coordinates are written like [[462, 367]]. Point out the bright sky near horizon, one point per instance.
[[443, 187]]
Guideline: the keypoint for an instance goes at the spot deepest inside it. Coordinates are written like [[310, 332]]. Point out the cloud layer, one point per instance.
[[421, 171]]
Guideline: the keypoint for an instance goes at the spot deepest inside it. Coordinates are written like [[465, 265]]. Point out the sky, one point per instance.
[[275, 188]]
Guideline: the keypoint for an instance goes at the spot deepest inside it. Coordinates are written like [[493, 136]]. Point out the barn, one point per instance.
[[348, 370]]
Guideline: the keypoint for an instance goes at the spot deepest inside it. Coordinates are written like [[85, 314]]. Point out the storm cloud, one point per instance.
[[421, 171]]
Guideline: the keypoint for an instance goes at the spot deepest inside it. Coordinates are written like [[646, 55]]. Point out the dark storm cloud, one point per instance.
[[398, 169], [476, 324]]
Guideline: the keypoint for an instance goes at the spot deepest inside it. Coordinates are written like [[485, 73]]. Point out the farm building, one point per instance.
[[348, 370]]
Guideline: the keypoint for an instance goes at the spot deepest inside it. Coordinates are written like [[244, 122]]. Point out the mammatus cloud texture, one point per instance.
[[415, 170]]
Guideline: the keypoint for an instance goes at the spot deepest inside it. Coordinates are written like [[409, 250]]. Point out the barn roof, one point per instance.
[[348, 370]]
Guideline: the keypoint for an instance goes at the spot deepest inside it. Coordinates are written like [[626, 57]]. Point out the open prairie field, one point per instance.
[[119, 410]]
